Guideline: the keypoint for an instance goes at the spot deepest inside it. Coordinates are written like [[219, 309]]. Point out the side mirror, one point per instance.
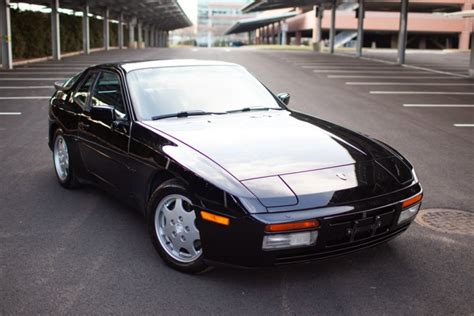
[[59, 85], [103, 113], [284, 97]]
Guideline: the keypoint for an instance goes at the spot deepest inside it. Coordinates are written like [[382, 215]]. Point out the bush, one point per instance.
[[31, 33]]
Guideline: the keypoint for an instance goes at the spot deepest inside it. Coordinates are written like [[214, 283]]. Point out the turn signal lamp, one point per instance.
[[215, 218], [413, 200], [272, 228]]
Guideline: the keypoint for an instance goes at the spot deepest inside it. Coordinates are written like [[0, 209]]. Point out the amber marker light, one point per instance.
[[412, 200], [215, 218], [272, 228]]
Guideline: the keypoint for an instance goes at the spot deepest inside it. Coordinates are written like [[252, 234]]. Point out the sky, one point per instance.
[[190, 8]]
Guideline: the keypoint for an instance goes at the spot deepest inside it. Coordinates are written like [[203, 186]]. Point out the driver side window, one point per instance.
[[107, 92], [82, 93]]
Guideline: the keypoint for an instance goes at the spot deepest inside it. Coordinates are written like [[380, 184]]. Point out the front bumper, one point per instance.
[[240, 243]]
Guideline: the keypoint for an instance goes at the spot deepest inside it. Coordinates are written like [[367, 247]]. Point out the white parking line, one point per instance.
[[10, 113], [378, 83], [36, 73], [392, 77], [463, 125], [31, 79], [423, 92], [24, 98], [400, 71], [25, 87], [47, 68], [439, 105], [357, 67]]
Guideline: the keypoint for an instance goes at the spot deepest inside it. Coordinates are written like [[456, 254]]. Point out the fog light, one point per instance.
[[290, 240], [408, 213]]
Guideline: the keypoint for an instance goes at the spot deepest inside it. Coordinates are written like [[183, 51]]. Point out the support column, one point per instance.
[[284, 34], [153, 37], [360, 28], [86, 39], [106, 29], [131, 34], [332, 31], [273, 34], [140, 36], [402, 32], [120, 31], [146, 42], [317, 27], [279, 33], [55, 31], [6, 34], [471, 65], [298, 38], [249, 33]]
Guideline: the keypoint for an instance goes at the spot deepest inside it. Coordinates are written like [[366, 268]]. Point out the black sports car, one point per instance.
[[222, 169]]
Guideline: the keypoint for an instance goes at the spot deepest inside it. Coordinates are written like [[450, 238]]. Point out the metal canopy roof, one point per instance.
[[253, 24], [165, 14], [263, 5], [372, 5]]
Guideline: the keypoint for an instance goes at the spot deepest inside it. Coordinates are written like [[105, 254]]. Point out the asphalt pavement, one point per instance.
[[83, 252]]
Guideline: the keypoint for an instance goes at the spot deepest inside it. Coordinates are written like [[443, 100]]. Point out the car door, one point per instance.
[[104, 145]]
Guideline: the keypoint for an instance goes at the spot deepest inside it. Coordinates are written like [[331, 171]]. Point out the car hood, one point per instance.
[[291, 160], [261, 144]]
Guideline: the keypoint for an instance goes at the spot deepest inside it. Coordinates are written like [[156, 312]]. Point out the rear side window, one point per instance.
[[82, 93], [108, 92]]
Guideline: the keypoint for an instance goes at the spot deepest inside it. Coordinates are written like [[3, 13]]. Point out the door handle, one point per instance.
[[84, 125]]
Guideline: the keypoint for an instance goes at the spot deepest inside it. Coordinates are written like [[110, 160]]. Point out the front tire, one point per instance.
[[62, 161], [172, 228]]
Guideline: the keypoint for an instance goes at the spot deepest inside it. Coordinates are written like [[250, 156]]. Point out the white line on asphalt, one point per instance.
[[47, 68], [24, 98], [439, 105], [400, 71], [463, 125], [31, 79], [10, 113], [355, 67], [388, 83], [394, 77], [37, 73], [26, 87], [423, 92], [435, 71]]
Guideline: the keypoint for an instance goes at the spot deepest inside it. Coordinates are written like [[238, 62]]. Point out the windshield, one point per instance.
[[158, 92]]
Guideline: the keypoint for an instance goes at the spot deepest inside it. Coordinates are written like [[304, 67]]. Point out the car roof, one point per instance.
[[130, 66]]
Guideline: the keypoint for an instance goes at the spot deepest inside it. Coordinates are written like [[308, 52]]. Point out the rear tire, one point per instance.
[[62, 158], [172, 229]]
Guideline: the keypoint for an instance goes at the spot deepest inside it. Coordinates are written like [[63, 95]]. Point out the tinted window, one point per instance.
[[82, 93], [167, 90], [107, 92], [71, 81]]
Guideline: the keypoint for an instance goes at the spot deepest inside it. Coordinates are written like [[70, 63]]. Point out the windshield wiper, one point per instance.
[[256, 108], [184, 114]]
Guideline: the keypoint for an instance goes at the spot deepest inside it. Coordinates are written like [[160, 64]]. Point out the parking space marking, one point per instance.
[[400, 71], [10, 113], [463, 125], [37, 73], [25, 87], [423, 92], [25, 98], [439, 105], [392, 77], [31, 79], [358, 67], [378, 83]]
